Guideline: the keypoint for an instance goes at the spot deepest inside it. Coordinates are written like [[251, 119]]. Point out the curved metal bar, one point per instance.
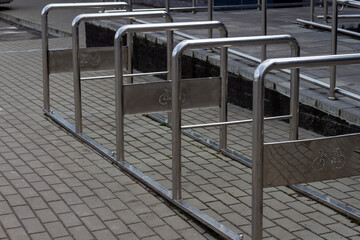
[[76, 49], [45, 38], [258, 118], [118, 64], [176, 85]]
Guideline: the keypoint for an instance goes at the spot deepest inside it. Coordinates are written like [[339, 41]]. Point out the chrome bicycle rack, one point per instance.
[[297, 161], [49, 57], [105, 55]]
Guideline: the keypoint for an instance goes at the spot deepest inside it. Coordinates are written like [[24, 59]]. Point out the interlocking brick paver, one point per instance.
[[80, 232], [70, 191], [56, 229], [117, 226], [33, 225], [18, 233], [69, 219]]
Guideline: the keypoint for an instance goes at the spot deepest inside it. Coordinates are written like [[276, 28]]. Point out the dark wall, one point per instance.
[[149, 56]]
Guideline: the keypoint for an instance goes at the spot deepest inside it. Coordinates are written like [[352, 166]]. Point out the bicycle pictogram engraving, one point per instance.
[[91, 59], [335, 158], [165, 98]]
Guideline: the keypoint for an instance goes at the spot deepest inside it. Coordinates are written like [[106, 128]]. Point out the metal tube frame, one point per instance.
[[76, 49], [258, 123], [119, 71], [334, 31], [45, 36], [223, 43]]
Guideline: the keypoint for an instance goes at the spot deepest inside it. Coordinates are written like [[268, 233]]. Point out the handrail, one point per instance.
[[334, 31], [45, 38], [118, 63], [76, 48], [258, 116]]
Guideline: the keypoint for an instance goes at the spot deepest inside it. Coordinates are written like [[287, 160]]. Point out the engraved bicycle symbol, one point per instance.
[[165, 98], [91, 59], [336, 159]]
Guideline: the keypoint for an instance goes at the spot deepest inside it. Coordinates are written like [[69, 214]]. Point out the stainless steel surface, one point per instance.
[[263, 27], [334, 31], [118, 63], [326, 27], [156, 96], [313, 160], [333, 204], [258, 124], [147, 181], [210, 15], [330, 202], [334, 25], [76, 53], [90, 59], [176, 104], [284, 117], [45, 38]]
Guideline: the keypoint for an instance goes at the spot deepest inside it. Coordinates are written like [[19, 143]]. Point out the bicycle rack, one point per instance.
[[50, 65], [105, 55], [295, 161]]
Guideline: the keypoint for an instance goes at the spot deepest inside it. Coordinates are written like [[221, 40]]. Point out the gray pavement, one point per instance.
[[54, 187]]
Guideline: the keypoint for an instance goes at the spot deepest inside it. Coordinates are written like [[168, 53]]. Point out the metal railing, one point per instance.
[[334, 32], [45, 38], [310, 166], [76, 50]]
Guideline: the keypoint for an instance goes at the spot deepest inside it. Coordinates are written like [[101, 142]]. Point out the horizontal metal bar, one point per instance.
[[355, 4], [225, 7], [211, 223], [340, 16], [330, 202], [333, 204], [145, 74], [233, 122], [97, 78], [326, 27]]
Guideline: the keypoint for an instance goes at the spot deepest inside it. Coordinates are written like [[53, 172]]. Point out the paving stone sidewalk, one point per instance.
[[47, 174], [54, 187]]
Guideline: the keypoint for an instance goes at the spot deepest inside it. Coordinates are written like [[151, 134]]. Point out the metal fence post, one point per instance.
[[333, 49]]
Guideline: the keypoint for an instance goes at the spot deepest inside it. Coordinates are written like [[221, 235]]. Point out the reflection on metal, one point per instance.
[[91, 59], [156, 96], [334, 32], [305, 161], [45, 36], [285, 169]]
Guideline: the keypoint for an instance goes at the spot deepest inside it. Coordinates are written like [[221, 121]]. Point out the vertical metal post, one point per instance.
[[294, 103], [45, 60], [334, 26], [223, 103], [76, 73], [312, 10], [130, 3], [257, 155], [210, 15], [170, 46], [119, 106], [176, 128], [326, 12], [167, 5], [263, 27], [193, 4]]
